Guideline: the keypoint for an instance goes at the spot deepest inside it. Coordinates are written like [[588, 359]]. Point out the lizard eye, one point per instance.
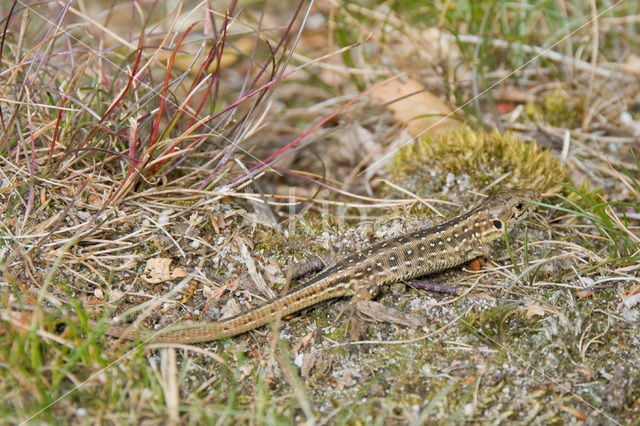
[[497, 223]]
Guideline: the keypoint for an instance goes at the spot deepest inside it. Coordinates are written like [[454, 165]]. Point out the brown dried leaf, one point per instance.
[[157, 270], [308, 362], [345, 381], [516, 96], [421, 110], [178, 273], [631, 64], [383, 313], [583, 294], [535, 309]]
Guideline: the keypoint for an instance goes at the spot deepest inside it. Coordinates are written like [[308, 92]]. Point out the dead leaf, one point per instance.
[[345, 381], [157, 270], [583, 294], [253, 271], [516, 96], [631, 64], [632, 291], [230, 309], [383, 313], [352, 141], [308, 362], [273, 272], [178, 273], [535, 309], [306, 340], [420, 110], [95, 201], [477, 263]]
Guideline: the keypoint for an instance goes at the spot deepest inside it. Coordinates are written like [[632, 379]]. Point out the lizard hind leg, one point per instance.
[[361, 303], [364, 291]]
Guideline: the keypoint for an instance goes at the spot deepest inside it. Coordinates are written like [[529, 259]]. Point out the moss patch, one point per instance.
[[558, 109], [468, 159]]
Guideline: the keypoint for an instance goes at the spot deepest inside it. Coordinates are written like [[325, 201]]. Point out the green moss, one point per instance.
[[338, 333], [557, 109], [297, 242], [476, 159]]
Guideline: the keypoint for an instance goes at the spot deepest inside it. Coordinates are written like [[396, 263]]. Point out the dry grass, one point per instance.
[[220, 143]]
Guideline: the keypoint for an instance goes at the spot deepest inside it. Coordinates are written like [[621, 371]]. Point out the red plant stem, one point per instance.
[[116, 102], [165, 87], [4, 36], [294, 142], [65, 96]]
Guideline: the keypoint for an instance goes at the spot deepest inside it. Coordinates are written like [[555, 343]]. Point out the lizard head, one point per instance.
[[509, 207]]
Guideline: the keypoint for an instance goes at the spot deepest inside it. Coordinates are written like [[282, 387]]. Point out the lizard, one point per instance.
[[422, 252]]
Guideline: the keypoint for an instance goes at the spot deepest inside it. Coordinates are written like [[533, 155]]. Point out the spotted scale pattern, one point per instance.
[[422, 252]]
